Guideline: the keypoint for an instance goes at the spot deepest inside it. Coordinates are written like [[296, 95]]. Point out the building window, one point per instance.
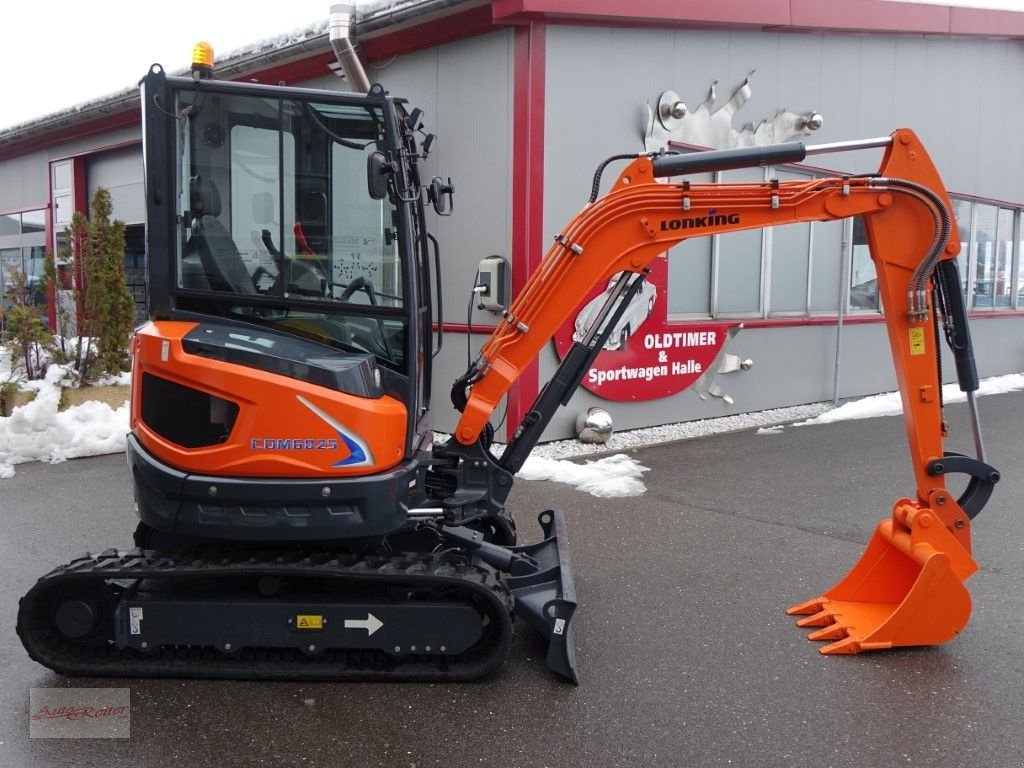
[[1019, 258], [863, 278], [739, 258], [689, 278], [983, 242], [1003, 285], [989, 248], [690, 270], [10, 224], [134, 247], [22, 237], [963, 210], [790, 249], [796, 269], [826, 266], [33, 221]]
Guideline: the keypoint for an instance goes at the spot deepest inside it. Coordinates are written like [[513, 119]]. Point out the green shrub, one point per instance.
[[105, 310]]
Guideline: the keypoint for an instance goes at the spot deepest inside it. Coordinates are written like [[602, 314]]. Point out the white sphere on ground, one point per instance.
[[594, 425]]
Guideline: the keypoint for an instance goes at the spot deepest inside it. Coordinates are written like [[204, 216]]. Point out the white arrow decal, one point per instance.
[[371, 624]]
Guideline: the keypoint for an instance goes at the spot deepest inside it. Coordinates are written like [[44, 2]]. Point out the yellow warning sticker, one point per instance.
[[917, 341], [309, 621]]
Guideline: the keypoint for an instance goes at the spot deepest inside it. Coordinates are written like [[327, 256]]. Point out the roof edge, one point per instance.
[[387, 27]]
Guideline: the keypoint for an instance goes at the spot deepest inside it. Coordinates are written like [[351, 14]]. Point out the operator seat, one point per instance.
[[212, 243]]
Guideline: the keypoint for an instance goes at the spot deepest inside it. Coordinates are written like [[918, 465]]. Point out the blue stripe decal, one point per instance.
[[359, 451], [358, 455]]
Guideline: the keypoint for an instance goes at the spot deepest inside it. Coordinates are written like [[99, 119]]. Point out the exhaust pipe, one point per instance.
[[345, 49]]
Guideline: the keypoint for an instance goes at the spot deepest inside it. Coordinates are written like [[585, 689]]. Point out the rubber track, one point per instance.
[[381, 572]]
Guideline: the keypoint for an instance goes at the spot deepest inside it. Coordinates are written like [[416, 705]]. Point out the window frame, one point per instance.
[[845, 254]]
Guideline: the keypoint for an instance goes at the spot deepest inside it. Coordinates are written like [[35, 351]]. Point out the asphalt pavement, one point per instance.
[[685, 653]]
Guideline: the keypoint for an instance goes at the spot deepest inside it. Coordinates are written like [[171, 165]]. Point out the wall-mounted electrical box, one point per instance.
[[493, 284]]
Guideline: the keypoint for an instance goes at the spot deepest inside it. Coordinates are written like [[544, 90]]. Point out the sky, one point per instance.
[[58, 53]]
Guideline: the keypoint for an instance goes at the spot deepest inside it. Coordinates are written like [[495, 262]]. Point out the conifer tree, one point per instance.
[[105, 310]]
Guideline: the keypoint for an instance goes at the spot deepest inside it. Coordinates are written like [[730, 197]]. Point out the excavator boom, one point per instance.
[[908, 588]]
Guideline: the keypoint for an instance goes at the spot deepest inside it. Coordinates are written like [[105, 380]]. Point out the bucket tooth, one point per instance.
[[807, 607], [852, 645], [906, 589], [820, 619], [848, 645], [832, 632]]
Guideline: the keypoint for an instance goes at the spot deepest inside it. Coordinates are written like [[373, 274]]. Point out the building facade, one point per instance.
[[528, 96]]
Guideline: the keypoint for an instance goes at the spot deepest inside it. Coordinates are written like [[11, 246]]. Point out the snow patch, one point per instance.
[[5, 365], [889, 403], [37, 431], [611, 477], [123, 379], [275, 42], [776, 430]]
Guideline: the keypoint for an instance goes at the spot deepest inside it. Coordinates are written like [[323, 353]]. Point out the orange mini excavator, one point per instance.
[[297, 519]]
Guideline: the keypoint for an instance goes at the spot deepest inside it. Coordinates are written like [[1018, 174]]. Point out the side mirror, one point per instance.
[[377, 171], [441, 194]]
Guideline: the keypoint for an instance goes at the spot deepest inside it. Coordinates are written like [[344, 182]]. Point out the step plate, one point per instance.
[[154, 621]]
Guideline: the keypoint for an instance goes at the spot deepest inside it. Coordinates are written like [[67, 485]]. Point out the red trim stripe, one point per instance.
[[80, 201], [51, 289], [844, 16], [427, 34], [72, 132], [79, 185], [987, 23], [869, 16], [745, 13], [771, 322], [22, 209], [527, 188], [478, 330]]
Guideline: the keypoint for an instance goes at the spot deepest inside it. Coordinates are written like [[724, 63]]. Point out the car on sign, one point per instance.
[[637, 311]]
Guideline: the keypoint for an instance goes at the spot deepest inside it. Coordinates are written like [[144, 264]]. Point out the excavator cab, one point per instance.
[[271, 253]]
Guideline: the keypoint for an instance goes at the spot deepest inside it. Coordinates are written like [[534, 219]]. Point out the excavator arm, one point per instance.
[[908, 587]]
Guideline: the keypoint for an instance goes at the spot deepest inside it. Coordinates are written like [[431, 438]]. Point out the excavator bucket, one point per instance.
[[906, 589]]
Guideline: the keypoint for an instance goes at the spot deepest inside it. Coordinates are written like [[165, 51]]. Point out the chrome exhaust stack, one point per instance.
[[344, 47]]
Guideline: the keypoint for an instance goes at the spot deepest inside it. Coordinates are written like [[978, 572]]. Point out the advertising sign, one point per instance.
[[645, 357]]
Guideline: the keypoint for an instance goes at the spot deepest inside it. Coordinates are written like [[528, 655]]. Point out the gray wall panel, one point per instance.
[[956, 93], [794, 365], [120, 172], [465, 91], [24, 180]]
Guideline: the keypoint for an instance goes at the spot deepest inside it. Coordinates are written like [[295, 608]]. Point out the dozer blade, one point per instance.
[[546, 599], [906, 589], [539, 578]]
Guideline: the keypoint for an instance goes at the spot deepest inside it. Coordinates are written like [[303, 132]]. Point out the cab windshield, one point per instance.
[[277, 225]]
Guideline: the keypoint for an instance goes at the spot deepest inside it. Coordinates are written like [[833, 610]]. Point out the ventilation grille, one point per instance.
[[185, 416]]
